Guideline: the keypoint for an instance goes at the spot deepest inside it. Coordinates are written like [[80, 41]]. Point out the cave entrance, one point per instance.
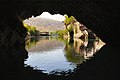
[[58, 43]]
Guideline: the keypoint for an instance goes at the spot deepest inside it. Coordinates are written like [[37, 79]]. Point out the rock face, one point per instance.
[[12, 32], [77, 31], [80, 31], [12, 42]]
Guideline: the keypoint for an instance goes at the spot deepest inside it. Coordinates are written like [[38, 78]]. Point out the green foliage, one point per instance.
[[62, 32], [69, 20], [53, 33], [69, 24], [31, 30]]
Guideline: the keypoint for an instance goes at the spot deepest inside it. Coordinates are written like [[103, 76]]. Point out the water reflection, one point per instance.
[[53, 54], [80, 50]]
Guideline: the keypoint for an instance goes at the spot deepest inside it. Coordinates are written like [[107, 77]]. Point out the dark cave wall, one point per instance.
[[12, 32], [100, 16]]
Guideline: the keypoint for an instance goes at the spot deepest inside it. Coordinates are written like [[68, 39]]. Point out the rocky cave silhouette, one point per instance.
[[100, 16]]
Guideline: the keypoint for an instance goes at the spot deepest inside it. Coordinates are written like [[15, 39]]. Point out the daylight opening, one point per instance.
[[58, 43]]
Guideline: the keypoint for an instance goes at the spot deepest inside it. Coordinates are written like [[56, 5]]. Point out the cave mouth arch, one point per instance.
[[98, 16], [32, 21], [77, 41]]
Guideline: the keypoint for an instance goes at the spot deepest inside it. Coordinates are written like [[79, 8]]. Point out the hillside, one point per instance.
[[45, 24]]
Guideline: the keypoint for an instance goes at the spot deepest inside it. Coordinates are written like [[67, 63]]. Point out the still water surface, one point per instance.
[[52, 54]]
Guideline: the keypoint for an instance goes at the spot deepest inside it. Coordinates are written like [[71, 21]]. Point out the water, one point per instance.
[[52, 54]]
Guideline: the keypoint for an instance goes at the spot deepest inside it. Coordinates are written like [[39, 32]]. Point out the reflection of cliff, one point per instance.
[[92, 47], [80, 50], [78, 43]]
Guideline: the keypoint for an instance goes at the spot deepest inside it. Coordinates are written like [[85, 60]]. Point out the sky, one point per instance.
[[57, 17]]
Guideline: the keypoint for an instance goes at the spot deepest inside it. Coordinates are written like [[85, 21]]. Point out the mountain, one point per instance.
[[45, 24]]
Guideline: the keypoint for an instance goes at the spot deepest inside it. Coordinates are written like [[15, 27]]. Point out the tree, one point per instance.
[[31, 30], [69, 23], [69, 20]]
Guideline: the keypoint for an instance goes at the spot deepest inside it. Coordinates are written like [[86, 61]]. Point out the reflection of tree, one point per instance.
[[31, 41], [71, 54]]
